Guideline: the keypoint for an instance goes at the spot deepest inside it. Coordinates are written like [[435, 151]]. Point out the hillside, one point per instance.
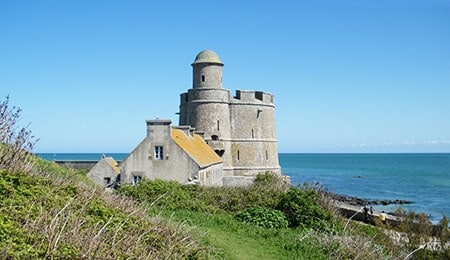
[[49, 211], [55, 212]]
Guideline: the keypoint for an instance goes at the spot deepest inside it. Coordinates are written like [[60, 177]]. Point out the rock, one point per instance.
[[362, 202]]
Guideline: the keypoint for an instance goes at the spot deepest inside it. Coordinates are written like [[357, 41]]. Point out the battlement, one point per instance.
[[254, 96]]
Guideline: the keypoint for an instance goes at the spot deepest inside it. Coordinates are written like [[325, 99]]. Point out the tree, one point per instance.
[[16, 142]]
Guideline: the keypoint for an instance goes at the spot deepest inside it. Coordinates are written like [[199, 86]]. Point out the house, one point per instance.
[[106, 172], [172, 153]]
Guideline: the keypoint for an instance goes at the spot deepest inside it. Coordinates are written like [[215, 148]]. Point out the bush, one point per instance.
[[15, 142], [301, 208], [171, 195], [263, 217], [168, 195]]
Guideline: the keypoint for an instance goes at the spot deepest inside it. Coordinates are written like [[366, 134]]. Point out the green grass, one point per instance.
[[237, 240], [314, 232], [55, 212]]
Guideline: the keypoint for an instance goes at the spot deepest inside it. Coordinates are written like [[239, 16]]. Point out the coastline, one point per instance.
[[384, 181], [353, 208], [356, 212]]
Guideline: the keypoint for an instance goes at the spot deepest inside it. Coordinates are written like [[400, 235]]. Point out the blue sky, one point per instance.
[[348, 76]]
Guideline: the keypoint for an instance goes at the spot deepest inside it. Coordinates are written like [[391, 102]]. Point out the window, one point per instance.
[[215, 137], [136, 179], [253, 133], [107, 181], [259, 95], [218, 125], [267, 155], [203, 78], [219, 152], [159, 153], [238, 155]]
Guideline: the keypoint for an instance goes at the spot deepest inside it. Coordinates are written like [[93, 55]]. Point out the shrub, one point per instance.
[[301, 208], [168, 195], [15, 142], [263, 217]]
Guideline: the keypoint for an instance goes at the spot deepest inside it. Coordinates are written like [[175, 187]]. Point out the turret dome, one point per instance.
[[207, 56]]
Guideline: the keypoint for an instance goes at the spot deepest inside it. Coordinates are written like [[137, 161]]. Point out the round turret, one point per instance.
[[207, 70]]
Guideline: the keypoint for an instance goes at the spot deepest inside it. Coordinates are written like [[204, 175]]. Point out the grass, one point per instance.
[[237, 240], [55, 212], [315, 231], [50, 211]]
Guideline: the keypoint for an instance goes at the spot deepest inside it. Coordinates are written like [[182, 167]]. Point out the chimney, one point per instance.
[[158, 129]]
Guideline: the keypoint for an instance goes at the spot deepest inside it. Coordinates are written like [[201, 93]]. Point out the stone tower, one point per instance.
[[240, 129]]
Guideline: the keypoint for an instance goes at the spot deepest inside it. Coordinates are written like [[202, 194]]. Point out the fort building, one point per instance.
[[240, 129], [221, 139]]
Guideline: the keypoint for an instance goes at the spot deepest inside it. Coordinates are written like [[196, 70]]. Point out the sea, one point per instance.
[[422, 178]]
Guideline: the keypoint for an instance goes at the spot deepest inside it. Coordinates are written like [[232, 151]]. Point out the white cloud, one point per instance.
[[437, 142]]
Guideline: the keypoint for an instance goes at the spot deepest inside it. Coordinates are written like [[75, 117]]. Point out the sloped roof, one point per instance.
[[196, 148], [114, 165]]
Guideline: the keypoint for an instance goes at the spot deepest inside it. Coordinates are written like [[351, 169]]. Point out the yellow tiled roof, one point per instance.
[[196, 147], [113, 164]]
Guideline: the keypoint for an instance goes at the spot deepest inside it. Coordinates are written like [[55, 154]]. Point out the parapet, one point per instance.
[[254, 96]]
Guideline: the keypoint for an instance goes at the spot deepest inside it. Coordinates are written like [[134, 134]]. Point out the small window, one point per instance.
[[215, 137], [253, 133], [267, 155], [238, 155], [159, 153], [107, 181], [136, 179], [218, 125], [203, 78]]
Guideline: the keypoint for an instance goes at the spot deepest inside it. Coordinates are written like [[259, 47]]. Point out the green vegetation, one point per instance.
[[48, 211], [58, 215], [252, 222], [53, 211], [263, 217]]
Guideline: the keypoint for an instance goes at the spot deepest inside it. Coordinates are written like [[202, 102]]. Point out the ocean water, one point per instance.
[[423, 179]]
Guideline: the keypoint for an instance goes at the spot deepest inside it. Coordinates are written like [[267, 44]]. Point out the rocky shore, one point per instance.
[[352, 207], [363, 202]]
